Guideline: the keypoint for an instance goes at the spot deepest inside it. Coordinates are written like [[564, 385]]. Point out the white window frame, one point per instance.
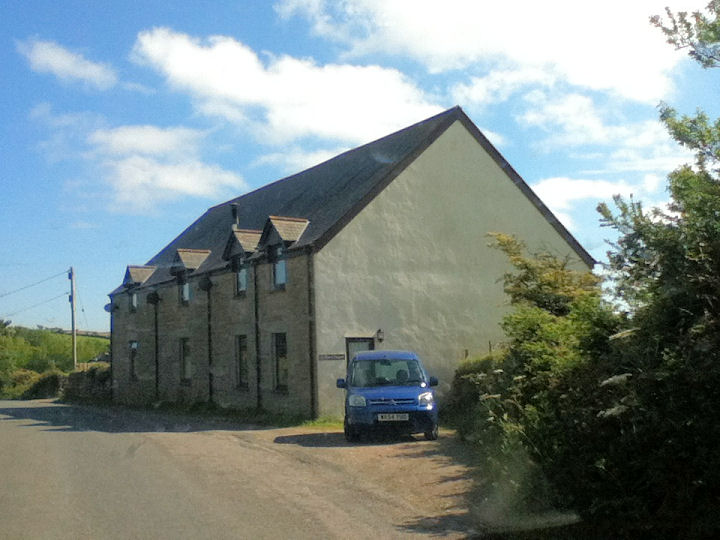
[[185, 293], [241, 280], [280, 277]]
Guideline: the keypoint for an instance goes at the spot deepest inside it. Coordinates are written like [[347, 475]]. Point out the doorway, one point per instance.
[[354, 345]]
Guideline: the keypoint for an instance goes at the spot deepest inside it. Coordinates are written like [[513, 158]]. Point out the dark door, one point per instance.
[[356, 344]]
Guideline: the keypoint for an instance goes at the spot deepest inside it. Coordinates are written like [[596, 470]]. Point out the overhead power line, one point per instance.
[[34, 305], [32, 284]]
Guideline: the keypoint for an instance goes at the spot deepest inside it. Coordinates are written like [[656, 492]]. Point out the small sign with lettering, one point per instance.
[[337, 357]]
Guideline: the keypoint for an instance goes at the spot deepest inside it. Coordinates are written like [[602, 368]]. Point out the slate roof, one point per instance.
[[327, 196]]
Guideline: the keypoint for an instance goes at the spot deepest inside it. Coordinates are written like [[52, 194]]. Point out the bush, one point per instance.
[[93, 384], [18, 382], [466, 405], [48, 385]]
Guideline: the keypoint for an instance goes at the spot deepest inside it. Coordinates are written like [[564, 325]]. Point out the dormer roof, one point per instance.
[[137, 275], [283, 229], [188, 260], [241, 242]]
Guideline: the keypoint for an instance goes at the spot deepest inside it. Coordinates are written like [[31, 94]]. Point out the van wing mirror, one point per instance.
[[433, 381], [341, 383]]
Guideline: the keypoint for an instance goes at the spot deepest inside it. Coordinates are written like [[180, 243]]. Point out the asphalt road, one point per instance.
[[83, 472]]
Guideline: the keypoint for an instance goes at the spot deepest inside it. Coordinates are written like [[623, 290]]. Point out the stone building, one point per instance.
[[262, 300]]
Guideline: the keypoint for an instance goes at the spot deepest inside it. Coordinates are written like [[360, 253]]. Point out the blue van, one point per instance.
[[389, 390]]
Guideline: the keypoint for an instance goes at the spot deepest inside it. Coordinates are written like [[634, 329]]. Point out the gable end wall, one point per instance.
[[415, 263]]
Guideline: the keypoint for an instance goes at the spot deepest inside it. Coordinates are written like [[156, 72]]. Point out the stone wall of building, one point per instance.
[[286, 311], [133, 326], [212, 342]]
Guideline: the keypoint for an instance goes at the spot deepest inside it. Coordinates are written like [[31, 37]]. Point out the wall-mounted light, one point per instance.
[[380, 335]]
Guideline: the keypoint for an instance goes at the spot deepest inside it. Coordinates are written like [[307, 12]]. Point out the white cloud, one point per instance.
[[49, 57], [142, 165], [573, 120], [561, 194], [608, 46], [284, 98], [147, 164], [140, 182], [147, 140], [499, 85]]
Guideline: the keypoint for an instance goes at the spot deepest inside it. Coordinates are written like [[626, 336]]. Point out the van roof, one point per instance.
[[386, 355]]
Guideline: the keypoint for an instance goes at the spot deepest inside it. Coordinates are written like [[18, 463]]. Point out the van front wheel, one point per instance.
[[432, 434], [351, 434]]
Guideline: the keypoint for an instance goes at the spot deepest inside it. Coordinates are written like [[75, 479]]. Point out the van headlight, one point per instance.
[[426, 399], [356, 400]]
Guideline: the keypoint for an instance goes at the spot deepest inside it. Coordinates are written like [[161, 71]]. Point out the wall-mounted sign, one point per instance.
[[335, 357]]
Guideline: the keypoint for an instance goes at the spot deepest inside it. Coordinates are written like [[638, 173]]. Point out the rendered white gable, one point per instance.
[[415, 263]]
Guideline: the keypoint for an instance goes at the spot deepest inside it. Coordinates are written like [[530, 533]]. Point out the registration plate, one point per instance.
[[393, 417]]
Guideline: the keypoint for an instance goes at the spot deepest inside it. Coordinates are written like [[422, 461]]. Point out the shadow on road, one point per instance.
[[56, 416], [333, 439]]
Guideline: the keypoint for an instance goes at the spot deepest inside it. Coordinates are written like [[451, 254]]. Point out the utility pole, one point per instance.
[[71, 277]]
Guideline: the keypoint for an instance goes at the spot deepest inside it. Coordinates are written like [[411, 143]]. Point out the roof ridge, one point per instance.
[[289, 218], [452, 111]]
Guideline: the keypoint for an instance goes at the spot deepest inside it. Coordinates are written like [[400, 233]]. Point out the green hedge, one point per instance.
[[93, 384], [47, 385]]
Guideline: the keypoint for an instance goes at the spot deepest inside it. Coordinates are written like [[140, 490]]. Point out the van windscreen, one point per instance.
[[385, 372]]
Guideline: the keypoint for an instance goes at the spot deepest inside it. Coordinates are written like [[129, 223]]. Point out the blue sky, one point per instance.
[[122, 122]]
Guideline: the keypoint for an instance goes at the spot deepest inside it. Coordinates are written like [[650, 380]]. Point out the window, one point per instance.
[[185, 362], [133, 346], [279, 268], [241, 366], [241, 281], [133, 302], [184, 293], [279, 350]]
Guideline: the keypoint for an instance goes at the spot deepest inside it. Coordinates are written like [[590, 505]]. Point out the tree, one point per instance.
[[620, 411], [5, 327], [696, 31], [540, 396], [666, 268]]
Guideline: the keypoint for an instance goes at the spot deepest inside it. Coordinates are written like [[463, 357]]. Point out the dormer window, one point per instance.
[[241, 276], [184, 293], [279, 267], [279, 234]]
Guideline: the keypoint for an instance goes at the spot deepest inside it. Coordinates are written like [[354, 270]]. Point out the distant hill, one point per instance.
[[88, 333]]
